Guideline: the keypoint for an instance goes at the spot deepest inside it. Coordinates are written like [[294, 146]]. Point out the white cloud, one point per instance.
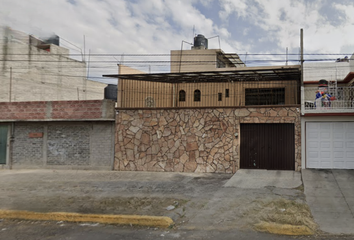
[[282, 20]]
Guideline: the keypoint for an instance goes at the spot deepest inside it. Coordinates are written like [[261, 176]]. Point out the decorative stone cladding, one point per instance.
[[191, 140]]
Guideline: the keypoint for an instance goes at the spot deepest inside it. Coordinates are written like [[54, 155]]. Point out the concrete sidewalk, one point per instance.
[[330, 195], [248, 178], [191, 200]]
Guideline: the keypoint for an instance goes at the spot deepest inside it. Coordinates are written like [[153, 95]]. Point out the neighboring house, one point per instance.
[[328, 125], [51, 116], [214, 120], [57, 134], [36, 70]]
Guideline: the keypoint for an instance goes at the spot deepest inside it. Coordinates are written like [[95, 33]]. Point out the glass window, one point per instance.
[[265, 96], [197, 95], [227, 92], [182, 96], [219, 96]]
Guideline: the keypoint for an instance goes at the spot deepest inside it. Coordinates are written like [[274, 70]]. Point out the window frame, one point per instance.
[[219, 97], [182, 95], [197, 95], [264, 96]]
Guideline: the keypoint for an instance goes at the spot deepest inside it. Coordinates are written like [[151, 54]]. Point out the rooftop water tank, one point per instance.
[[200, 42], [111, 92], [52, 40]]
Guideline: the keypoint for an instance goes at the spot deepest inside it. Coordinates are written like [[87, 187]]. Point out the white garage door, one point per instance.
[[330, 145]]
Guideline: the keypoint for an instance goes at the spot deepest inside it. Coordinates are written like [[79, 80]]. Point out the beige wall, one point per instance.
[[133, 94], [28, 73], [200, 60]]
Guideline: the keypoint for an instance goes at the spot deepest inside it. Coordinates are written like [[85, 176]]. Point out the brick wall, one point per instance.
[[79, 145], [23, 110], [191, 140], [68, 144], [102, 146], [57, 110], [28, 150]]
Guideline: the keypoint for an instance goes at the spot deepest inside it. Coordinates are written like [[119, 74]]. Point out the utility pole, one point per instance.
[[10, 84], [302, 55], [302, 94]]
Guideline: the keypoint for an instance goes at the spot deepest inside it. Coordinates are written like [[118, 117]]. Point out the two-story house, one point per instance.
[[327, 115], [219, 118]]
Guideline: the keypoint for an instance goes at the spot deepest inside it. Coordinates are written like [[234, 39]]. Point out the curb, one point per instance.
[[283, 229], [140, 220]]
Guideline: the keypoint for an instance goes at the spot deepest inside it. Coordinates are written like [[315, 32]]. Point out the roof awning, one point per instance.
[[233, 58], [277, 73]]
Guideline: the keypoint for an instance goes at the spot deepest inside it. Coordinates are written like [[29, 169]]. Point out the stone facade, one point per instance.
[[191, 140]]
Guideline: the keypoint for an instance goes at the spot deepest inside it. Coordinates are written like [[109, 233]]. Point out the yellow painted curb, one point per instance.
[[153, 221], [283, 229]]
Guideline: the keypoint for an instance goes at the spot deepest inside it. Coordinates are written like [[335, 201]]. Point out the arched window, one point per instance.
[[182, 96], [197, 95]]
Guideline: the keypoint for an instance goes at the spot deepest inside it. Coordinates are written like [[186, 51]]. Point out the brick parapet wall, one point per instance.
[[191, 140], [57, 110]]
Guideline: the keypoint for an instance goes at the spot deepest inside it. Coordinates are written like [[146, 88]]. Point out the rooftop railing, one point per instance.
[[338, 99]]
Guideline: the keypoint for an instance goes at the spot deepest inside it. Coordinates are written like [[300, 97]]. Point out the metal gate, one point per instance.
[[268, 146], [3, 143]]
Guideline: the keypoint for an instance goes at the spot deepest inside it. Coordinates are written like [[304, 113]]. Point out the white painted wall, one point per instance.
[[326, 70]]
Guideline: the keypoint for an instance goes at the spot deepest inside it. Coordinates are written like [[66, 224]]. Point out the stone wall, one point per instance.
[[191, 140]]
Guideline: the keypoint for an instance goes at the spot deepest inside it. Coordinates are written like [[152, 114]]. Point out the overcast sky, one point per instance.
[[158, 26]]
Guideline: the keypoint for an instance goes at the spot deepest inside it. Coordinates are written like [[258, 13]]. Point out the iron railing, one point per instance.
[[138, 94], [338, 99]]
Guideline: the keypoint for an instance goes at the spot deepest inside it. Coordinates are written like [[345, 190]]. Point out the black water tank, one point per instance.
[[200, 41], [111, 92], [52, 40]]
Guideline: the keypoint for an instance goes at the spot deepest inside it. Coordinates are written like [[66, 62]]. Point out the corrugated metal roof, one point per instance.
[[277, 73]]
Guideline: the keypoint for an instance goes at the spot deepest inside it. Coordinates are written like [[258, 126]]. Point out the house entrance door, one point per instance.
[[3, 143], [268, 146]]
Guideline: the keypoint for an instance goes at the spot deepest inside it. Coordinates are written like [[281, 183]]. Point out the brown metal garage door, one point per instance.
[[268, 146]]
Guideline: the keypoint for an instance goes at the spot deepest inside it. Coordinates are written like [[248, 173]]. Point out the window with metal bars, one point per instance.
[[265, 96]]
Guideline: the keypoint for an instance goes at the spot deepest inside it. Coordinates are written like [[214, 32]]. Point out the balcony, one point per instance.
[[343, 101]]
